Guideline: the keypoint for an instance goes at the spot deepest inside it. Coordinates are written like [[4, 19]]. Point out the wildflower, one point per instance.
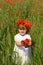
[[27, 24], [34, 12], [20, 21], [7, 10], [25, 42], [1, 25], [1, 6], [15, 12], [9, 1], [38, 2], [42, 51]]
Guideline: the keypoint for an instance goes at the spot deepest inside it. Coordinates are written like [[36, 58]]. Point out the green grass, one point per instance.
[[31, 10]]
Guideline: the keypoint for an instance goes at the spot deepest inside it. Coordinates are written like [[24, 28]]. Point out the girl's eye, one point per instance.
[[22, 29]]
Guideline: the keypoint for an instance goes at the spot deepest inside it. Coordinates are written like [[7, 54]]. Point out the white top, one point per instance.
[[22, 50]]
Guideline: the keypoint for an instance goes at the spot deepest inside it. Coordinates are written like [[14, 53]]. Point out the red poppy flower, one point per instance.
[[28, 24], [24, 22], [1, 6], [1, 25], [27, 41], [20, 21], [23, 42], [6, 1], [9, 1]]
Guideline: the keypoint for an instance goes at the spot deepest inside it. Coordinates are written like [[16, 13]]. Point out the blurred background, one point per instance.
[[10, 11]]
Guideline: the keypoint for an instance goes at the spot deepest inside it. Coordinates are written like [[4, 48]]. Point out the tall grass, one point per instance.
[[12, 10]]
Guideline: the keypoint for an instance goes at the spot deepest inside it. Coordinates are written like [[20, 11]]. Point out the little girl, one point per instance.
[[23, 40]]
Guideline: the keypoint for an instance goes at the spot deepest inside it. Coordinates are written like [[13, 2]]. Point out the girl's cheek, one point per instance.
[[25, 31]]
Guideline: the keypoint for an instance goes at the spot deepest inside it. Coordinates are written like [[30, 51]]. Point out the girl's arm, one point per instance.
[[30, 43], [19, 43]]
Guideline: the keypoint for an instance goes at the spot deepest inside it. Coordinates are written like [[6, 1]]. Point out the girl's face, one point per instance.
[[22, 30]]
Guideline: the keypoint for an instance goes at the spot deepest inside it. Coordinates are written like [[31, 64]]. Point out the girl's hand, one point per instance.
[[19, 43], [26, 45], [23, 42], [27, 42]]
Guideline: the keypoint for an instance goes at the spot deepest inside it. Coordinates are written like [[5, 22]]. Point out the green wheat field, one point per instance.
[[10, 11]]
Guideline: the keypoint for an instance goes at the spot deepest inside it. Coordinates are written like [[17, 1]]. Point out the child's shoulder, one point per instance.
[[17, 35], [27, 35]]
